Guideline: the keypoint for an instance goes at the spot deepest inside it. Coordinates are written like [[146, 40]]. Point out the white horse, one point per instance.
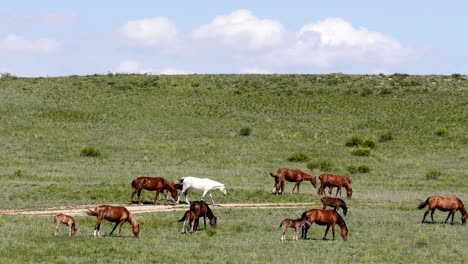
[[205, 185]]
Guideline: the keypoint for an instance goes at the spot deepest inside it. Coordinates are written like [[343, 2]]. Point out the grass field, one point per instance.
[[175, 126]]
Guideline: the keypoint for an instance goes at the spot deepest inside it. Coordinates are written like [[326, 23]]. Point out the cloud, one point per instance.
[[132, 66], [20, 44], [241, 30], [128, 66], [151, 32]]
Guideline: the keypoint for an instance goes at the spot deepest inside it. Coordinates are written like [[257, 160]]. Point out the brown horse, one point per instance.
[[157, 184], [296, 176], [67, 220], [114, 214], [331, 180], [451, 204], [202, 209], [335, 203], [189, 219], [324, 217], [293, 223]]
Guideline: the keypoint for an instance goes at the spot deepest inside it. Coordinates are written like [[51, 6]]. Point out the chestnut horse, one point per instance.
[[293, 223], [296, 176], [202, 209], [114, 214], [157, 184], [67, 220], [189, 219], [331, 180], [324, 217], [335, 203], [451, 204]]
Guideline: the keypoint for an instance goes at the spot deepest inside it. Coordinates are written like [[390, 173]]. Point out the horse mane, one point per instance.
[[132, 220], [461, 206], [341, 222]]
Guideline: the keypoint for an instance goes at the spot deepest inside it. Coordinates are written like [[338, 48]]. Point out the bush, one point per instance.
[[245, 131], [360, 151], [299, 156], [352, 169], [323, 165], [441, 132], [363, 169], [369, 143], [386, 137], [354, 141], [90, 152], [433, 174]]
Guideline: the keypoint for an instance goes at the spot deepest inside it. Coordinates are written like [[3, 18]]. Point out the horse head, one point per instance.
[[464, 217], [223, 189], [213, 221], [312, 179], [136, 230], [73, 230], [349, 192]]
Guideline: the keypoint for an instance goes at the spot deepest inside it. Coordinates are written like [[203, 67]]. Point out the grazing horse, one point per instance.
[[114, 214], [157, 184], [202, 209], [324, 217], [451, 204], [201, 184], [335, 203], [293, 223], [296, 176], [67, 220], [189, 219], [331, 180]]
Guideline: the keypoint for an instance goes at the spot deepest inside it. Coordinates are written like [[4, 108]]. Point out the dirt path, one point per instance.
[[137, 209]]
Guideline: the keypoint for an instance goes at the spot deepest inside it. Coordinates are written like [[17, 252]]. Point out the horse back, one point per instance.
[[321, 217], [113, 213]]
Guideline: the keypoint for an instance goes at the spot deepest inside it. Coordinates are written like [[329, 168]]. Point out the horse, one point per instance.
[[293, 223], [201, 184], [296, 176], [67, 220], [114, 214], [324, 217], [443, 203], [335, 203], [189, 219], [157, 184], [202, 209], [331, 180]]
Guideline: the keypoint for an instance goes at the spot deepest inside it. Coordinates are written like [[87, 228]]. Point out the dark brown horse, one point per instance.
[[445, 204], [335, 203], [332, 180], [296, 176], [324, 217], [202, 209], [293, 223], [189, 219], [67, 220], [114, 214], [157, 184]]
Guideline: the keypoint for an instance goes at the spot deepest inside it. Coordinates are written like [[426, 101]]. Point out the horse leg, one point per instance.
[[69, 229], [305, 228], [139, 198], [298, 185], [432, 215], [326, 231], [121, 226], [115, 226], [98, 226]]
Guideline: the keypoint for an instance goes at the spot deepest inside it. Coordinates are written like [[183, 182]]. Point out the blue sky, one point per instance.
[[59, 38]]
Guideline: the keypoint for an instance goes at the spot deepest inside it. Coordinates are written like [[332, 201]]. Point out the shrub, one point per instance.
[[386, 137], [18, 173], [352, 169], [441, 132], [360, 151], [433, 174], [369, 143], [245, 131], [323, 165], [422, 241], [363, 169], [299, 156], [354, 141], [90, 152]]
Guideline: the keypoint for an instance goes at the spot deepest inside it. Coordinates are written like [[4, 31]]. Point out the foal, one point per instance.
[[201, 209], [335, 203], [67, 220], [189, 219], [293, 223]]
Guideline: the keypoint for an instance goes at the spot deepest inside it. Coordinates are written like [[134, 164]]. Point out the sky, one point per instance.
[[80, 37]]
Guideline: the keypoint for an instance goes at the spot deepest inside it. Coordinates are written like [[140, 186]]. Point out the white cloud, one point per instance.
[[241, 30], [132, 66], [151, 32], [16, 43], [174, 71], [128, 66]]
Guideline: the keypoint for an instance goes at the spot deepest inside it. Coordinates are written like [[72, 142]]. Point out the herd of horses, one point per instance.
[[197, 209]]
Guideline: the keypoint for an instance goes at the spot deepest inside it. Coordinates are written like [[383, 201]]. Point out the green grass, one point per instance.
[[175, 126]]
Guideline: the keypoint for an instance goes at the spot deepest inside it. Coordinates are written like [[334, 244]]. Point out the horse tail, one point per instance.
[[182, 219], [91, 213], [134, 183], [423, 204], [345, 208]]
